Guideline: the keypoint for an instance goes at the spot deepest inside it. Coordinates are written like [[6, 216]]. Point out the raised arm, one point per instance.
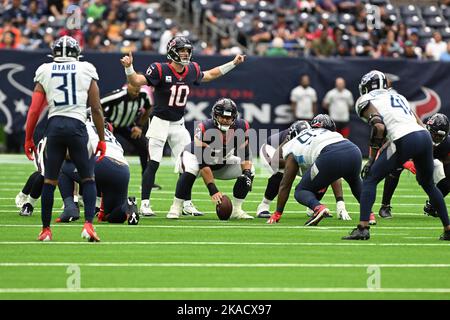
[[219, 71], [135, 79]]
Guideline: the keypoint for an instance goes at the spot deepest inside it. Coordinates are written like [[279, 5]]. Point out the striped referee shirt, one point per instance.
[[120, 110]]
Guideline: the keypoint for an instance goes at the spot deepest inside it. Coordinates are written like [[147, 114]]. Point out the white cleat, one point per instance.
[[309, 212], [190, 210], [174, 212], [342, 213], [263, 211], [21, 199], [240, 214], [146, 210]]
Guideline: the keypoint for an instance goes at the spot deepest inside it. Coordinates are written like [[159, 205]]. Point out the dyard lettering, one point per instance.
[[187, 310]]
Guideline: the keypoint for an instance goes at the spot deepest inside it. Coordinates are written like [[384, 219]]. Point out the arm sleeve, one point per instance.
[[153, 74]]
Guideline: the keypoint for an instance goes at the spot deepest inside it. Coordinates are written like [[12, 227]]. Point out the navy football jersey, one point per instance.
[[277, 139], [234, 142], [171, 88], [442, 151]]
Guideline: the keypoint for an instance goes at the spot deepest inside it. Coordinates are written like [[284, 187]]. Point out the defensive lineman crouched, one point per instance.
[[220, 150]]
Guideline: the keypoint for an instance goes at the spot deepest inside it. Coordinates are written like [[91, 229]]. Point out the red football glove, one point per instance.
[[409, 165], [275, 218], [30, 149], [101, 147]]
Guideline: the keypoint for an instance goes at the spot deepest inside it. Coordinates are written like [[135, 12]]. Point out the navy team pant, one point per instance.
[[337, 160], [416, 146], [112, 180]]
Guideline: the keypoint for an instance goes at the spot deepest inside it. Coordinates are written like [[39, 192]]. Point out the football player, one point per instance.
[[439, 126], [267, 151], [325, 156], [220, 150], [112, 176], [172, 82], [32, 189], [69, 86], [390, 116]]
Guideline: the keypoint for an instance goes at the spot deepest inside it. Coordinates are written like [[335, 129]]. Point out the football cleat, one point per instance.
[[429, 210], [445, 236], [45, 234], [190, 210], [69, 215], [385, 212], [26, 210], [359, 233], [89, 233], [263, 211], [240, 214], [275, 218], [132, 212], [372, 220], [21, 199], [319, 213], [146, 209], [156, 187], [175, 212]]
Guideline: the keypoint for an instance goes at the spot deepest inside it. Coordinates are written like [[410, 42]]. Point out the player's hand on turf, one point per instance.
[[217, 198], [409, 165], [127, 60], [366, 169], [239, 59], [136, 132], [101, 147], [274, 218], [30, 148]]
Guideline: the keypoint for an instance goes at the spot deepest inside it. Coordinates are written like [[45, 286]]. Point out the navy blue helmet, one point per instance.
[[439, 127], [323, 121], [66, 49], [175, 45], [373, 80], [224, 108], [296, 128]]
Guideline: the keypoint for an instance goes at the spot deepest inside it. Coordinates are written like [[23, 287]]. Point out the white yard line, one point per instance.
[[229, 243], [227, 290], [223, 265]]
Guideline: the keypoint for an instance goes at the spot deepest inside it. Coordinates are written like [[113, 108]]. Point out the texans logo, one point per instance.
[[14, 98]]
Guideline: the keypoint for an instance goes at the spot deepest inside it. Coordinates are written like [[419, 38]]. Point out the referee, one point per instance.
[[128, 111]]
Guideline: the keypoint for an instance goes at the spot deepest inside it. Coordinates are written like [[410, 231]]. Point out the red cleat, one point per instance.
[[275, 218], [372, 220], [45, 235], [320, 212], [89, 233], [101, 216]]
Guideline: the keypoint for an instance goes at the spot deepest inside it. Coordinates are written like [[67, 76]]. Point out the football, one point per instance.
[[224, 209]]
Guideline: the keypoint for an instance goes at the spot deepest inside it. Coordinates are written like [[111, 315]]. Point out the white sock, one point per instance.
[[145, 202], [22, 195], [266, 201], [98, 202], [237, 203], [31, 200]]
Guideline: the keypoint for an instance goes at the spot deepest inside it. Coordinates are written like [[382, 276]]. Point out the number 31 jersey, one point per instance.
[[66, 86], [395, 110], [307, 146], [171, 88]]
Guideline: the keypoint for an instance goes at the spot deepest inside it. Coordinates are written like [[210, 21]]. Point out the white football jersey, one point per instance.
[[66, 86], [307, 146], [395, 110], [113, 147]]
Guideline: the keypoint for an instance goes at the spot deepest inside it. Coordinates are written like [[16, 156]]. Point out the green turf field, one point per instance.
[[204, 258]]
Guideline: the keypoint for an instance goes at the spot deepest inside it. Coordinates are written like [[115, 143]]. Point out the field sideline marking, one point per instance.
[[225, 225], [234, 289], [222, 265], [225, 243]]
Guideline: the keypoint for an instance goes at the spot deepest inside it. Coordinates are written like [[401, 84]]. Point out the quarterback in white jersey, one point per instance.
[[68, 86], [324, 156], [391, 118]]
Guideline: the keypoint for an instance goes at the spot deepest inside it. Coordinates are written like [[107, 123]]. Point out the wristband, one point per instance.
[[247, 172], [129, 70], [227, 67], [212, 189]]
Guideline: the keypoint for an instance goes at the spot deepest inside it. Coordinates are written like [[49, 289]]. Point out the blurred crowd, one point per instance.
[[277, 28]]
